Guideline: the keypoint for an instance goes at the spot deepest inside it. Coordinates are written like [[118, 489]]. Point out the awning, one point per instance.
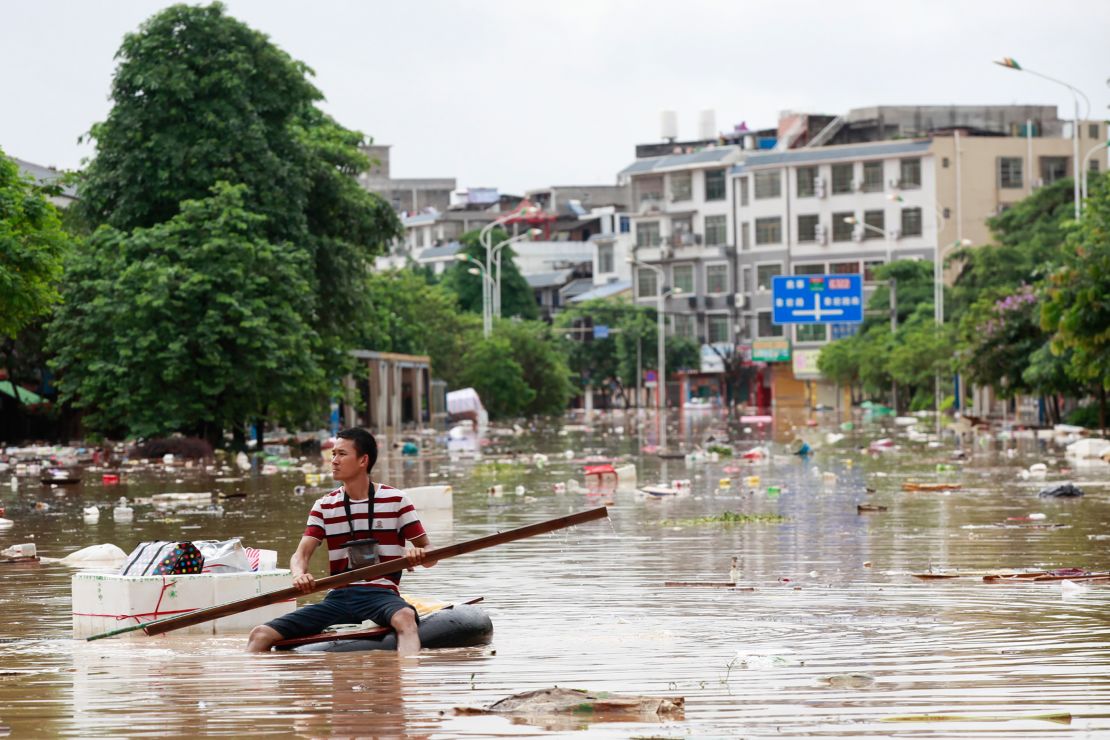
[[25, 396]]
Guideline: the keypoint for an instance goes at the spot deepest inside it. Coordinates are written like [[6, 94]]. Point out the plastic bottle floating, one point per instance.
[[560, 488], [122, 512], [91, 514]]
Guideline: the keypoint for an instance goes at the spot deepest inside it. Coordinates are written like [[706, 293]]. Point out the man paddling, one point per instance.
[[357, 510]]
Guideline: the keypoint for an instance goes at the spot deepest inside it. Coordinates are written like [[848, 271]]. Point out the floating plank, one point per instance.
[[912, 486]]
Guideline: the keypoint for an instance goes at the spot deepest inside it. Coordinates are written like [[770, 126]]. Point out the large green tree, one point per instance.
[[199, 98], [195, 324], [32, 248], [1077, 307]]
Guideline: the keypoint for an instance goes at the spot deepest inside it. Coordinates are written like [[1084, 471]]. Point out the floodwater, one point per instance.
[[834, 639]]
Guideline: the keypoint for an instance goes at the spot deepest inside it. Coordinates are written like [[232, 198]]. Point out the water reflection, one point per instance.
[[832, 598]]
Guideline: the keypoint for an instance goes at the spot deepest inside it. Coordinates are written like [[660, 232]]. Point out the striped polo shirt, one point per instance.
[[395, 522]]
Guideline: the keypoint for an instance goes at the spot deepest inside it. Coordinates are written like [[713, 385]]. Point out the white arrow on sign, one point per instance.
[[817, 313]]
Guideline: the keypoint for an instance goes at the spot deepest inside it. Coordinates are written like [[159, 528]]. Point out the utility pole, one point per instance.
[[893, 330]]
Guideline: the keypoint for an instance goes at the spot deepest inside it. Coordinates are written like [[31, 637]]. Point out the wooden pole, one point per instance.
[[369, 573]]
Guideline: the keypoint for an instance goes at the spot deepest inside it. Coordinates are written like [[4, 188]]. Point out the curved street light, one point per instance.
[[479, 269], [1076, 93]]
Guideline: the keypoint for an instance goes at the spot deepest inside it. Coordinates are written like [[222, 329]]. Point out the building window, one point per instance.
[[1053, 169], [764, 273], [1009, 172], [844, 268], [842, 230], [685, 325], [872, 177], [809, 333], [716, 230], [682, 231], [768, 184], [681, 186], [743, 191], [626, 224], [869, 267], [768, 230], [1092, 131], [842, 178], [716, 278], [745, 235], [683, 276], [909, 173], [911, 222], [647, 234], [646, 285], [648, 189], [766, 327], [807, 182], [877, 221], [1092, 166], [715, 184], [814, 268], [807, 228], [605, 258], [717, 328]]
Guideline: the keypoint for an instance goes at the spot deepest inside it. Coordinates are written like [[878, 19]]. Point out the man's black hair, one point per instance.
[[365, 444]]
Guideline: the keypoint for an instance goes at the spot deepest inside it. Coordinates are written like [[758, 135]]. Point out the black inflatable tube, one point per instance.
[[464, 625]]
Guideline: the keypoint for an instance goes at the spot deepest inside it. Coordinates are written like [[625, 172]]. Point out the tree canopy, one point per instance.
[[196, 324], [32, 248], [210, 117]]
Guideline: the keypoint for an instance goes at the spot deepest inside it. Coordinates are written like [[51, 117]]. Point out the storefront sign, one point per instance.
[[771, 350], [805, 364]]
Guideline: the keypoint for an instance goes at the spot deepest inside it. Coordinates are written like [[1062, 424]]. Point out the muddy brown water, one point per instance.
[[836, 639]]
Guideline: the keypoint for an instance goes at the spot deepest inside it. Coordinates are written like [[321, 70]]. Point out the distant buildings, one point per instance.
[[720, 216]]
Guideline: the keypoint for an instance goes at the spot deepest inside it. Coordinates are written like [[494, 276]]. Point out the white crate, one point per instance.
[[104, 602]]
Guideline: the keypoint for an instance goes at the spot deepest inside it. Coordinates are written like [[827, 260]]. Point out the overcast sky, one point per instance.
[[518, 95]]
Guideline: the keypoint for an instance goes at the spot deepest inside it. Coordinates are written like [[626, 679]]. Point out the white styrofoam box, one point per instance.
[[428, 498], [235, 588], [267, 560], [103, 602]]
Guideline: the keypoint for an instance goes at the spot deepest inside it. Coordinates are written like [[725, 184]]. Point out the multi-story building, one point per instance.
[[849, 208], [680, 224]]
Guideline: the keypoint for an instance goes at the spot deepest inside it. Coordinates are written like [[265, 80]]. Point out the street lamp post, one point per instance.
[[484, 238], [1087, 157], [893, 300], [661, 349], [1009, 63], [480, 270]]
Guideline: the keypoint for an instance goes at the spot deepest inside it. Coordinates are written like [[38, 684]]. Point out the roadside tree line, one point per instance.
[[1028, 314]]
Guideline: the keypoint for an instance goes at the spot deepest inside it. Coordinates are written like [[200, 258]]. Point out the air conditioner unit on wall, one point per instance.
[[819, 187], [894, 234], [821, 234]]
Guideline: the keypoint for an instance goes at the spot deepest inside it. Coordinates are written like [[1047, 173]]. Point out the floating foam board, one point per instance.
[[104, 602]]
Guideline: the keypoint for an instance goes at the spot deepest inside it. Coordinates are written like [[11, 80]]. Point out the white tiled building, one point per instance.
[[794, 213], [681, 223]]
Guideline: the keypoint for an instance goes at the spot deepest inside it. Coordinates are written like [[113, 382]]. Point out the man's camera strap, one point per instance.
[[369, 511]]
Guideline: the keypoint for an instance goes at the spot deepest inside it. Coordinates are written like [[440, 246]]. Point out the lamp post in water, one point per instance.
[[661, 349]]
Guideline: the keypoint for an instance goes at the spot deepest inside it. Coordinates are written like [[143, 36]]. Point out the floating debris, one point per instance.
[[727, 517], [599, 705]]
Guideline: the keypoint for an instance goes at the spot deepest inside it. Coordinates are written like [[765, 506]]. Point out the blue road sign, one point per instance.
[[817, 299], [601, 331]]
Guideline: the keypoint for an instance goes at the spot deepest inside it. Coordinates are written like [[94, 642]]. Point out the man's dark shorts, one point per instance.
[[349, 605]]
